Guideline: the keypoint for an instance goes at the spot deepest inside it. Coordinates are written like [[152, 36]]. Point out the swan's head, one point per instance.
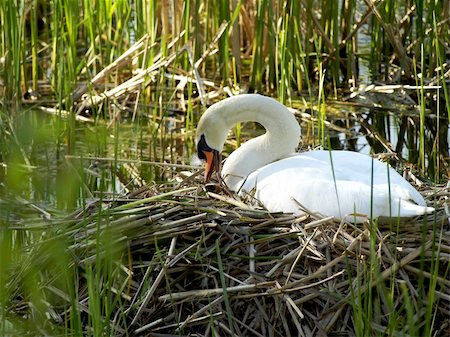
[[211, 134], [211, 156], [280, 140]]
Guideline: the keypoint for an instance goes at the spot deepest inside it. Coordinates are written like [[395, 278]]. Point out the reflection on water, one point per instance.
[[395, 132]]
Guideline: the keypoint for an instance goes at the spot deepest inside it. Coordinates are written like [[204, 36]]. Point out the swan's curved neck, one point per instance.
[[280, 140]]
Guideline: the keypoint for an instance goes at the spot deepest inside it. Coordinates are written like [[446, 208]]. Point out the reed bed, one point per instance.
[[190, 262]]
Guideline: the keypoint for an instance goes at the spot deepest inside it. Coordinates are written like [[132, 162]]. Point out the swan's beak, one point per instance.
[[212, 163], [211, 156]]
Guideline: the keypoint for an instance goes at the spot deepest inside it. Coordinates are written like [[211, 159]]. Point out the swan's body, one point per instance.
[[332, 183]]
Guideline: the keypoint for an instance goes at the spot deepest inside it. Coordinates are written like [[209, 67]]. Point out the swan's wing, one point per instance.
[[312, 189], [354, 166], [354, 184]]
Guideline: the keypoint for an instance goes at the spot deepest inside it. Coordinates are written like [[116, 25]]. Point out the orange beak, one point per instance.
[[212, 163]]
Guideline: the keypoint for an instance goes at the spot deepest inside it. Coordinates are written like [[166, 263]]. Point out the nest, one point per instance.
[[198, 263]]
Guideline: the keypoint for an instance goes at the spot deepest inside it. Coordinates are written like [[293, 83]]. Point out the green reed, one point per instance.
[[440, 54], [370, 295], [331, 24], [34, 45], [347, 48], [282, 41], [12, 25], [257, 66], [223, 14]]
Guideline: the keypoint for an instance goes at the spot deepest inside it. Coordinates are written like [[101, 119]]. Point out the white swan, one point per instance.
[[332, 183]]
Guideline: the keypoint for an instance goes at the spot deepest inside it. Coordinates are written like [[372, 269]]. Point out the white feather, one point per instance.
[[332, 183]]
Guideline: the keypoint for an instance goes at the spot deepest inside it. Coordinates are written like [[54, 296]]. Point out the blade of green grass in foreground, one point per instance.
[[226, 299]]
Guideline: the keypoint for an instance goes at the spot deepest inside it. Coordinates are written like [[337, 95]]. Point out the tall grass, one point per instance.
[[373, 293], [12, 15], [279, 37]]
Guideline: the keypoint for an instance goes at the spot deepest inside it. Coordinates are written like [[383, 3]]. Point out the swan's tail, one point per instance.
[[406, 208]]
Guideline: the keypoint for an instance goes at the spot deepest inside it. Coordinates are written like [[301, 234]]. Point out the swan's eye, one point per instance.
[[203, 147]]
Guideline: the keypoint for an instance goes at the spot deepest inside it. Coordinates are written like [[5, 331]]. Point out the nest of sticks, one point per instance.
[[202, 263]]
